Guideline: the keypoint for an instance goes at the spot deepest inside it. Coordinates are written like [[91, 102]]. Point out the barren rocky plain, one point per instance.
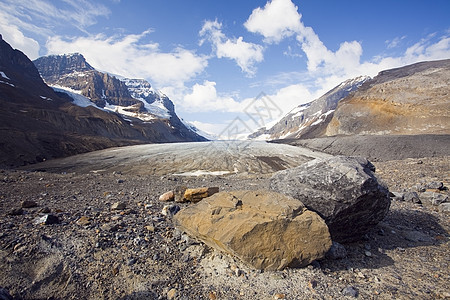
[[110, 239]]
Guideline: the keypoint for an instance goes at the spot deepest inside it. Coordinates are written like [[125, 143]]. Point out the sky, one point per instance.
[[222, 61]]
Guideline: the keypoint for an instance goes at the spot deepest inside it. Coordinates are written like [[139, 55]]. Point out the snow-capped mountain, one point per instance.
[[135, 99], [311, 117]]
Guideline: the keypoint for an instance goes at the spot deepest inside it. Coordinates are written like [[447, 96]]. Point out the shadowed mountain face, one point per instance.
[[37, 123]]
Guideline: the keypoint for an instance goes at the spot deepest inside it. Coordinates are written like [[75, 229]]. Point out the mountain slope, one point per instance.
[[405, 101], [131, 98], [308, 119], [37, 123]]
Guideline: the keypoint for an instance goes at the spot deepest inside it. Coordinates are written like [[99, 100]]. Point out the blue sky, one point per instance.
[[212, 58]]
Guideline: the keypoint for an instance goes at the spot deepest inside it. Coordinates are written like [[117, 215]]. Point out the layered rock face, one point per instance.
[[344, 191], [405, 101], [311, 118], [266, 230]]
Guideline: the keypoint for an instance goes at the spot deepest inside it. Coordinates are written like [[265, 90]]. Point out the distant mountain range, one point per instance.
[[410, 100], [95, 111]]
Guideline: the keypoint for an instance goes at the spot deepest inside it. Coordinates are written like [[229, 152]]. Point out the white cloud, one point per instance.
[[277, 20], [246, 55], [394, 43], [204, 97], [131, 56], [13, 36]]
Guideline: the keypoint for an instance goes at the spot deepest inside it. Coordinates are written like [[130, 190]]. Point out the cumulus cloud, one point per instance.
[[131, 56], [277, 20], [13, 36], [204, 97], [245, 54]]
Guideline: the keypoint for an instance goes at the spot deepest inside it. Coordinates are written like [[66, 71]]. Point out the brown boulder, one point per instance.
[[265, 229], [197, 194]]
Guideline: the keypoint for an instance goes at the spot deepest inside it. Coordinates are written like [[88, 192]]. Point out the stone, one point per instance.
[[350, 291], [412, 197], [344, 191], [84, 221], [29, 204], [444, 207], [435, 185], [118, 206], [16, 212], [170, 210], [171, 294], [179, 193], [197, 194], [433, 198], [264, 229], [167, 196], [337, 251], [396, 196], [47, 220]]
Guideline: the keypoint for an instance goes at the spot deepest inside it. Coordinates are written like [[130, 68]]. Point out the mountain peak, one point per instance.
[[59, 65]]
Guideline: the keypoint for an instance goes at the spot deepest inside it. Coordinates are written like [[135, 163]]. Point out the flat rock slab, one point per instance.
[[342, 190], [186, 159], [264, 229]]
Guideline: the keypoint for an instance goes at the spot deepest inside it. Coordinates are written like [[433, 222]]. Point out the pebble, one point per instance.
[[350, 291], [47, 220], [171, 294], [16, 212], [337, 251], [84, 221], [368, 253], [29, 204], [279, 296], [118, 206], [167, 196], [170, 210]]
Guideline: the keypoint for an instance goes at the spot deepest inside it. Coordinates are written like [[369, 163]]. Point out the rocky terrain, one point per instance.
[[110, 238], [311, 118], [37, 123]]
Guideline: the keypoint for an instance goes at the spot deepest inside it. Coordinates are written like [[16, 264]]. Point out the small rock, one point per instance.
[[119, 180], [167, 196], [350, 291], [47, 220], [44, 210], [118, 206], [396, 196], [337, 251], [171, 294], [150, 228], [170, 210], [279, 296], [312, 284], [29, 204], [84, 221], [197, 194], [16, 212], [212, 296], [368, 253], [444, 207], [412, 197], [435, 185]]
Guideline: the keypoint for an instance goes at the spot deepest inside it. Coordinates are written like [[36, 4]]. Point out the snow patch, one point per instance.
[[2, 74], [123, 111], [46, 98], [78, 99], [7, 83]]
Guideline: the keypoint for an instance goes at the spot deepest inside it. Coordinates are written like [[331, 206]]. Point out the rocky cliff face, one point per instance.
[[134, 99], [405, 101], [37, 123], [310, 118]]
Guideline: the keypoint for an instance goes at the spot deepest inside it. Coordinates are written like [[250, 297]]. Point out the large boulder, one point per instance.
[[344, 191], [264, 229]]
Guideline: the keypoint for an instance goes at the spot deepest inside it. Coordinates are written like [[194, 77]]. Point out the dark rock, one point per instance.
[[29, 204], [170, 210], [344, 191], [118, 206], [337, 251], [16, 212], [47, 220], [412, 197]]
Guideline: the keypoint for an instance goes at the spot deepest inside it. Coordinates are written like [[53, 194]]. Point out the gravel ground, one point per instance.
[[96, 252]]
